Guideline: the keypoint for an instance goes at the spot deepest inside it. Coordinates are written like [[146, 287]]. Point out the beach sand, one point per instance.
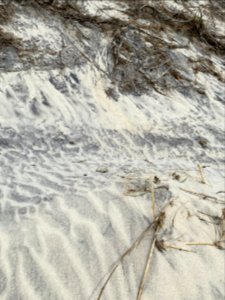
[[83, 175]]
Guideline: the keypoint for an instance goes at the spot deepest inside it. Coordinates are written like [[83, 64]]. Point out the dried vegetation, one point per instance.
[[163, 223], [7, 39], [144, 49]]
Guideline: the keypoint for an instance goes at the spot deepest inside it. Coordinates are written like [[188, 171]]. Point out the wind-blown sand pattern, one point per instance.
[[81, 160]]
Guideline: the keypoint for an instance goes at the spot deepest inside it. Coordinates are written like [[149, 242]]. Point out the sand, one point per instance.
[[78, 171]]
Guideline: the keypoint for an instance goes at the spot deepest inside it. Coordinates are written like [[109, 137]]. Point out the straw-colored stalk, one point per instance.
[[199, 244], [122, 257], [146, 270]]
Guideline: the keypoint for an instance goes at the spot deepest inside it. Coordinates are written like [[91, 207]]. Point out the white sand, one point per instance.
[[75, 187]]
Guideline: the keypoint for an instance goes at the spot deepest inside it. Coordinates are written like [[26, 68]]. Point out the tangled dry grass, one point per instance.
[[144, 47], [6, 12], [7, 39], [158, 239], [144, 52]]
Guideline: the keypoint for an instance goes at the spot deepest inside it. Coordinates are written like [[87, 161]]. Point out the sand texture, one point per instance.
[[97, 152]]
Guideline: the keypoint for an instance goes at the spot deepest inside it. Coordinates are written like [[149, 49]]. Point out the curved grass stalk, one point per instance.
[[120, 260], [146, 270]]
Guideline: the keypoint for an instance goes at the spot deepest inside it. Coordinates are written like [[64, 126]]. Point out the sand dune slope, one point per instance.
[[88, 161]]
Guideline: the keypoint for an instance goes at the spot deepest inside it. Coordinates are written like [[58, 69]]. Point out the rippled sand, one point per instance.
[[79, 171]]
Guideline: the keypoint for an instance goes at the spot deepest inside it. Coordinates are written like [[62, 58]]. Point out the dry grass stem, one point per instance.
[[199, 244], [146, 270], [120, 260], [204, 196]]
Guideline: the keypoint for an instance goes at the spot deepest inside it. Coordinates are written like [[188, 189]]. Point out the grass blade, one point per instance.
[[127, 252], [146, 270]]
